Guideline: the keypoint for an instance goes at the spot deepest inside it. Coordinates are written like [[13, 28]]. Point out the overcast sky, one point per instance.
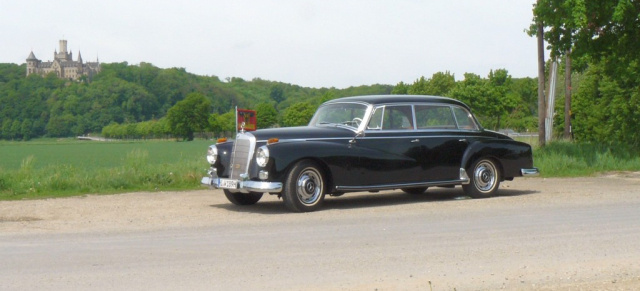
[[312, 43]]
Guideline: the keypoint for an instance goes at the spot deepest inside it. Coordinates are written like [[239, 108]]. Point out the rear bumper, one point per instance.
[[530, 172]]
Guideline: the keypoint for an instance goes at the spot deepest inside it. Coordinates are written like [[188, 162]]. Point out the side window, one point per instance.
[[397, 118], [464, 119], [434, 117]]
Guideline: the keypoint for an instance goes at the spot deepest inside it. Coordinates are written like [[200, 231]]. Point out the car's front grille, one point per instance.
[[242, 152]]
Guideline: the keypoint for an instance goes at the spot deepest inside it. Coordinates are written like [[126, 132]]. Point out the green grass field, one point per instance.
[[57, 168], [53, 168]]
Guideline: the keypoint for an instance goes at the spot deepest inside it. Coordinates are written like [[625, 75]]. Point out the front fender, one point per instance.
[[334, 156]]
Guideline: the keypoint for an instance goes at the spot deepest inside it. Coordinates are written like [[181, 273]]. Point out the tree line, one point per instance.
[[137, 101], [37, 106]]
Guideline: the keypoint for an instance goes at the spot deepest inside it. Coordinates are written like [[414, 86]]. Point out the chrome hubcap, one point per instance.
[[484, 176], [309, 186]]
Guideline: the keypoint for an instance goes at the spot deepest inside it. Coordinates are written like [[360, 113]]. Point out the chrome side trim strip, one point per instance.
[[464, 180], [399, 186]]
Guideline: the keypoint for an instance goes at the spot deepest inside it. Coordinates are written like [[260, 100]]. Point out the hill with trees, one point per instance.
[[137, 101]]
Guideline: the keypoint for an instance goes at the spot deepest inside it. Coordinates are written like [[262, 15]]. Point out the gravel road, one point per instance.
[[538, 234]]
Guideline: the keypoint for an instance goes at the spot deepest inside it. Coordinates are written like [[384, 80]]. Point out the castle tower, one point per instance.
[[62, 55], [32, 64], [63, 46]]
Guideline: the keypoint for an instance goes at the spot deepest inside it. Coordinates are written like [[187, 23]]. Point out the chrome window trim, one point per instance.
[[478, 128], [374, 137]]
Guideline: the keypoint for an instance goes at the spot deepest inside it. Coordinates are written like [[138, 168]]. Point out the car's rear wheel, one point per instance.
[[243, 198], [415, 190], [304, 188], [484, 175]]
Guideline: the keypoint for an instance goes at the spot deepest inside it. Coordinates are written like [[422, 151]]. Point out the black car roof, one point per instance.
[[387, 99]]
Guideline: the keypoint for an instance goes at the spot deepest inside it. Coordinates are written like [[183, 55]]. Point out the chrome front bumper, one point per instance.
[[243, 186], [530, 172]]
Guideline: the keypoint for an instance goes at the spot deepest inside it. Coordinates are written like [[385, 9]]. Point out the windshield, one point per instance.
[[349, 114]]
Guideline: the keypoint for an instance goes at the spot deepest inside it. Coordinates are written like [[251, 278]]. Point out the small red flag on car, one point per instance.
[[248, 118]]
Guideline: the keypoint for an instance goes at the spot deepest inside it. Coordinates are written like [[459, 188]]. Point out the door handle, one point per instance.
[[415, 140], [463, 140]]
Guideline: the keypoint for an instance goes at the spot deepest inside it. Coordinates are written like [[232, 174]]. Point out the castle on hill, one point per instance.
[[63, 65]]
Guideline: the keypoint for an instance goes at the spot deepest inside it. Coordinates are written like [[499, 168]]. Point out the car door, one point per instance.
[[389, 153], [442, 144]]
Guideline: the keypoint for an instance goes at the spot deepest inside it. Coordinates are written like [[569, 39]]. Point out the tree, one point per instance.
[[277, 93], [488, 98], [603, 39], [400, 89], [298, 114], [6, 128], [419, 87], [189, 115], [267, 115], [439, 85], [26, 129]]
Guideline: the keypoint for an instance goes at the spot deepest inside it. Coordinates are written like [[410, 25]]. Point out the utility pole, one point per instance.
[[541, 85], [567, 95]]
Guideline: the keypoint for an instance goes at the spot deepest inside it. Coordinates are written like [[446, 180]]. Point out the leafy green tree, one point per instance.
[[327, 96], [267, 116], [189, 115], [441, 83], [590, 28], [400, 89], [471, 91], [6, 128], [277, 93], [604, 37], [298, 114], [499, 101], [490, 98], [419, 87], [26, 130], [220, 123], [15, 130], [60, 125]]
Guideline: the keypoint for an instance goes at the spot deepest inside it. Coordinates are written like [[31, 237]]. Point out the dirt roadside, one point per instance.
[[160, 210], [560, 234]]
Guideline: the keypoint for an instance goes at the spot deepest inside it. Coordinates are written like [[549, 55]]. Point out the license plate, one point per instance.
[[228, 184]]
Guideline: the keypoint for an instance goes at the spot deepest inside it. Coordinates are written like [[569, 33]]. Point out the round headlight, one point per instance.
[[212, 154], [262, 156]]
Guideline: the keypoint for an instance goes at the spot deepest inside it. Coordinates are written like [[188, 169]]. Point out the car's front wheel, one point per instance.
[[304, 188], [484, 175], [242, 198]]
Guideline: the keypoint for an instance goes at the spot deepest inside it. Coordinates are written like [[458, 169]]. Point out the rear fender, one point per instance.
[[511, 155]]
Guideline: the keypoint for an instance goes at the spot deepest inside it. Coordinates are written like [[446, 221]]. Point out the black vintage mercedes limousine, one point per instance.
[[368, 143]]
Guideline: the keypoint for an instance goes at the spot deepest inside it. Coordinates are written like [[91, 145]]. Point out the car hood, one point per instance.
[[302, 132]]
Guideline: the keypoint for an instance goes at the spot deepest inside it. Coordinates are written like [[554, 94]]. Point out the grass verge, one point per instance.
[[567, 159]]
